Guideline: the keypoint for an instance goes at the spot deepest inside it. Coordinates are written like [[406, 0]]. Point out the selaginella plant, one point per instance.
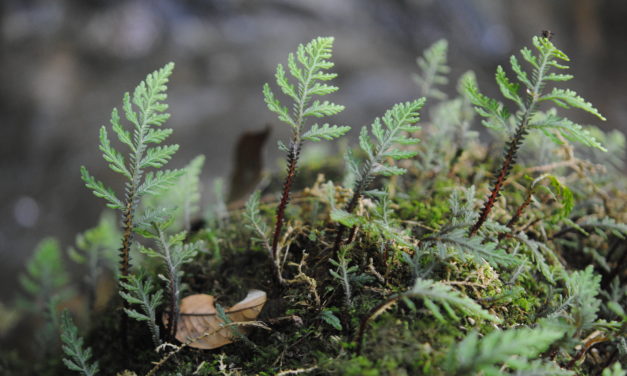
[[412, 293], [528, 115], [145, 111], [381, 148], [308, 67]]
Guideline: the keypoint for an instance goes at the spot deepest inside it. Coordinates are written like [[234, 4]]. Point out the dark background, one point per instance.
[[65, 64]]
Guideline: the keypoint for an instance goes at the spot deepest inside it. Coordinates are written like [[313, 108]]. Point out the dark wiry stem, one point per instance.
[[292, 159], [127, 238], [508, 162], [360, 186], [518, 213]]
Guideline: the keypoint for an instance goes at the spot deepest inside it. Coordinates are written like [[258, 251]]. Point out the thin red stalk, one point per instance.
[[292, 160], [508, 163], [518, 212], [127, 238]]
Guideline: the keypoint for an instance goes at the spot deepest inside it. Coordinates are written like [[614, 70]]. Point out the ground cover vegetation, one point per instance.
[[422, 250]]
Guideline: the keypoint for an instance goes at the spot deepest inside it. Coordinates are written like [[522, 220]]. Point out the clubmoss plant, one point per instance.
[[174, 253], [409, 291], [397, 128], [145, 111], [79, 357], [308, 68], [139, 289], [527, 116]]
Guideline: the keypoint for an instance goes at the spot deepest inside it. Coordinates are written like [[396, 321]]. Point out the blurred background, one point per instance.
[[65, 64]]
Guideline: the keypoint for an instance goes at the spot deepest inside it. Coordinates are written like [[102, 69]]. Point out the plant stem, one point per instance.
[[173, 285], [292, 160], [360, 186], [512, 147]]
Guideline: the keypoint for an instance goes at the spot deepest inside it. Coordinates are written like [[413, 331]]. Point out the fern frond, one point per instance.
[[513, 348], [309, 69], [548, 57], [138, 289], [100, 190], [397, 128], [583, 287], [145, 110], [327, 132], [79, 357], [434, 292], [45, 275], [433, 70], [255, 222]]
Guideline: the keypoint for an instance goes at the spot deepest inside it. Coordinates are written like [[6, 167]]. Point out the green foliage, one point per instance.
[[78, 357], [183, 196], [150, 112], [140, 290], [433, 70], [548, 57], [583, 287], [45, 273], [435, 292], [452, 239], [96, 249], [255, 222], [614, 370], [513, 348], [174, 252], [398, 125], [308, 69], [346, 274]]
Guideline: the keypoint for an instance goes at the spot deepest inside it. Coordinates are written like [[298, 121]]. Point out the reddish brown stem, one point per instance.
[[360, 186], [127, 238], [292, 160], [518, 212], [508, 162]]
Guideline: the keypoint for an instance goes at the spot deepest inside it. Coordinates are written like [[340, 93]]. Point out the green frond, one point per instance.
[[158, 156], [568, 98], [308, 70], [78, 357], [115, 159], [275, 106], [514, 348], [435, 292], [547, 121], [45, 273], [347, 219], [100, 190], [326, 132], [150, 94], [508, 88], [399, 124], [155, 182], [497, 116], [319, 109], [139, 290], [583, 287], [123, 135], [156, 136], [433, 70]]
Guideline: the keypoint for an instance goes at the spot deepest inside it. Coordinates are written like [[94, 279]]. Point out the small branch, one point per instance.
[[292, 160]]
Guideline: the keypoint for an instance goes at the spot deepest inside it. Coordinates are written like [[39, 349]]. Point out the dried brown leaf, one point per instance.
[[199, 321]]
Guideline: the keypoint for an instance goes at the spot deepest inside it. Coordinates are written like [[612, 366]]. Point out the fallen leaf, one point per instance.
[[199, 321], [248, 164]]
